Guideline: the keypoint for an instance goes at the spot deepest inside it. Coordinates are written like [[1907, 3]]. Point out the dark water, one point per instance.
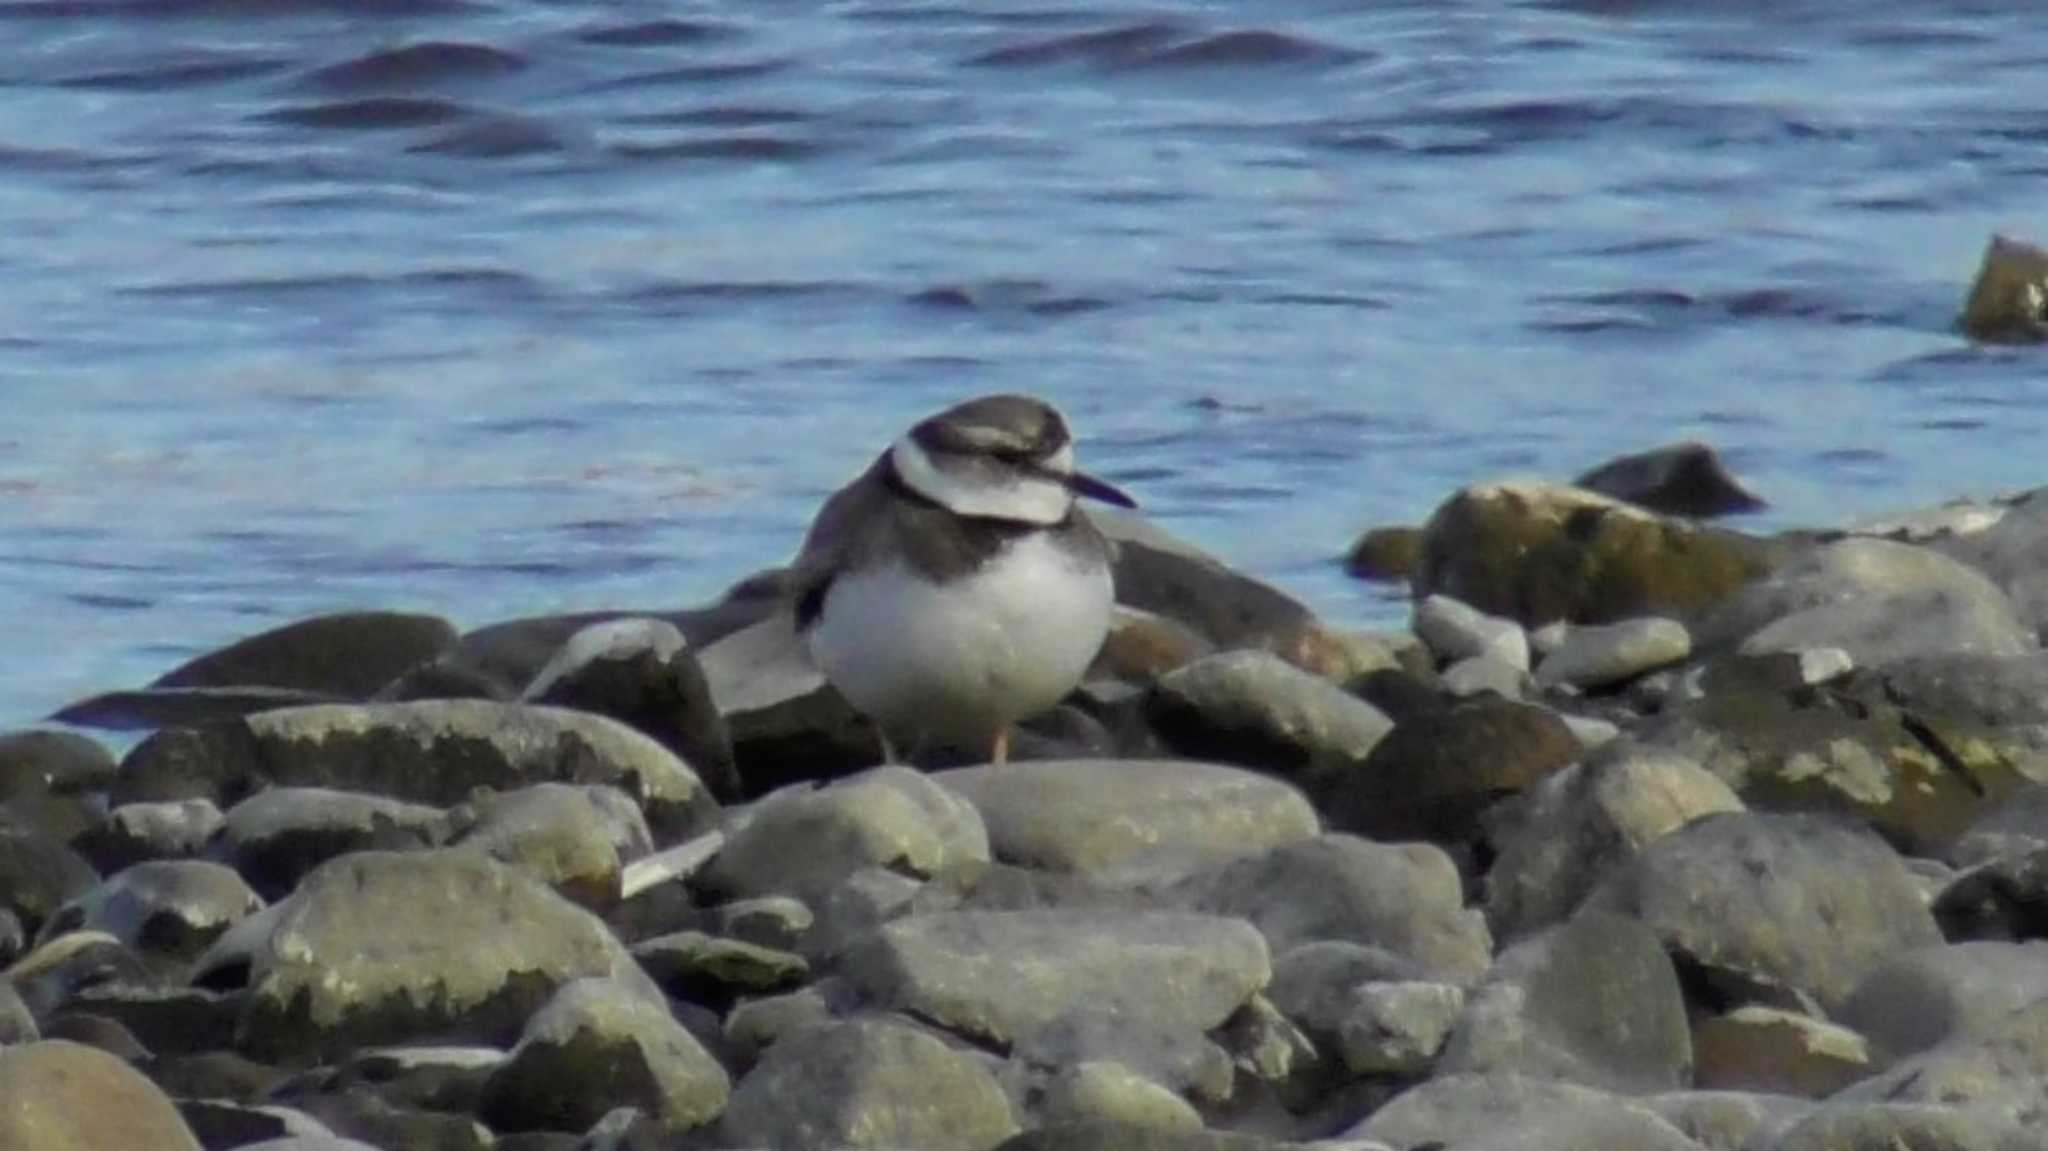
[[496, 308]]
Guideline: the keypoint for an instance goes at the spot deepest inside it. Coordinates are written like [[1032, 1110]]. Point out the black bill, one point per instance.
[[1083, 484]]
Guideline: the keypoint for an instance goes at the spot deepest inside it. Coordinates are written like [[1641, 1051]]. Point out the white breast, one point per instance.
[[956, 661]]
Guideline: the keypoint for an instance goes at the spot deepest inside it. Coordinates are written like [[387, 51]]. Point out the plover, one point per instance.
[[952, 589]]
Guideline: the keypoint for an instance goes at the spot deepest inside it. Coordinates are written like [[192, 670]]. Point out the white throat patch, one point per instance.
[[1021, 499]]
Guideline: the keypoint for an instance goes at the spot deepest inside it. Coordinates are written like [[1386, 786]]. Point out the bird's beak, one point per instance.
[[1083, 484]]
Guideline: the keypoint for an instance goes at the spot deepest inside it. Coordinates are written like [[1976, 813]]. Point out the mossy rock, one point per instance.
[[1539, 552]]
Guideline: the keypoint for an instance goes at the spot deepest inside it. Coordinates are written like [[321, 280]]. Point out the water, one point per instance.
[[500, 308]]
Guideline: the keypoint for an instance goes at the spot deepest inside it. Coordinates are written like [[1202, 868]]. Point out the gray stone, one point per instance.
[[1444, 767], [776, 921], [1397, 1028], [855, 907], [786, 723], [867, 1084], [38, 875], [755, 1025], [2004, 1059], [168, 908], [1603, 655], [642, 672], [158, 707], [705, 969], [1106, 1090], [1163, 574], [277, 835], [575, 839], [803, 843], [63, 1096], [432, 751], [1451, 1109], [1946, 991], [1111, 1135], [998, 975], [1590, 1130], [1584, 823], [51, 779], [1177, 1055], [1877, 600], [1457, 631], [1264, 1044], [1406, 898], [137, 832], [1759, 1048], [1727, 1120], [1085, 815], [1681, 479], [2016, 825], [595, 1046], [348, 654], [1593, 1000], [1741, 894], [1253, 708], [1481, 673], [1887, 1126], [467, 948]]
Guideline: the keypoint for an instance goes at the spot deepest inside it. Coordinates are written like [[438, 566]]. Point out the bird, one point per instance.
[[954, 587]]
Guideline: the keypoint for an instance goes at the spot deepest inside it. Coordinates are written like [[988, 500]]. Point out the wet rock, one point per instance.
[[467, 948], [1456, 631], [137, 832], [1594, 1000], [997, 975], [1681, 479], [1164, 575], [867, 1083], [1877, 600], [1142, 646], [642, 672], [1086, 815], [48, 780], [1878, 1126], [1110, 1091], [62, 1095], [1604, 655], [274, 837], [575, 839], [1791, 900], [1255, 709], [1935, 994], [1404, 898], [802, 843], [1459, 1109], [434, 752], [349, 654], [170, 909], [38, 874], [1586, 822], [596, 1046], [1443, 765], [715, 972], [786, 723], [1542, 552], [2008, 302], [1757, 1048], [1385, 554]]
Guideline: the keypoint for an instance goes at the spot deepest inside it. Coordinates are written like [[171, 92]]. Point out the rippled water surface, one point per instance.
[[497, 308]]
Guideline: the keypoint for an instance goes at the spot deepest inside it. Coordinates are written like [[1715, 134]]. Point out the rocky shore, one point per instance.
[[1645, 834]]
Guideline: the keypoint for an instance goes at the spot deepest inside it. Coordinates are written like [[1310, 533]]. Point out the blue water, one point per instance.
[[500, 308]]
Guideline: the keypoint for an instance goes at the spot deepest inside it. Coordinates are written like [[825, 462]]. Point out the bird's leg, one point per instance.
[[999, 754]]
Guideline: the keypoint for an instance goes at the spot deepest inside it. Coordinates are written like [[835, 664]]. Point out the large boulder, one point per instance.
[[1256, 709], [38, 874], [48, 780], [167, 908], [64, 1096], [348, 654], [1681, 479], [1539, 552], [1162, 574]]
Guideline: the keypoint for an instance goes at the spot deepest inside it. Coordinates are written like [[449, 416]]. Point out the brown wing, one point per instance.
[[835, 538]]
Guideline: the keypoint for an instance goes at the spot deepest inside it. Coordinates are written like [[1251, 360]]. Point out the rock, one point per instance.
[[1164, 575], [1404, 898], [2007, 540], [854, 908], [642, 672], [1757, 1048], [596, 1046], [1340, 654], [1457, 631], [221, 1123], [786, 723], [274, 837], [358, 1112], [1727, 1120], [1681, 479], [1590, 1130], [1542, 552], [435, 752], [1481, 675], [105, 1034], [1877, 600], [997, 975], [2008, 302], [705, 969], [867, 1083], [48, 779], [38, 875], [1110, 1091], [57, 969], [467, 948], [755, 1025], [1442, 767], [1385, 554], [1111, 1135], [1604, 655], [1255, 709], [1946, 991], [1586, 822], [1264, 1044], [349, 654], [63, 1096], [2017, 825], [162, 1020], [157, 707], [1087, 815], [1740, 895], [1459, 1109], [171, 909], [2003, 1059], [1142, 646], [137, 832], [1175, 1055], [17, 1022], [218, 1075], [1878, 1126], [773, 921], [802, 843], [575, 839], [1397, 1028]]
